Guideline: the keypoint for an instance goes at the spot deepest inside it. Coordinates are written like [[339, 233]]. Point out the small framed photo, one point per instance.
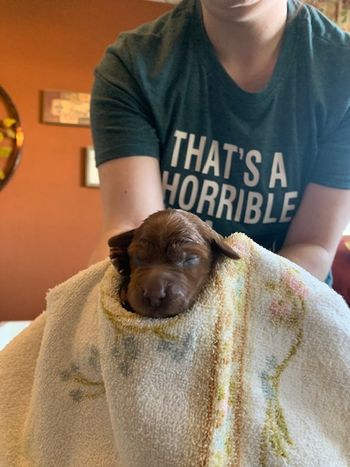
[[91, 172], [65, 108]]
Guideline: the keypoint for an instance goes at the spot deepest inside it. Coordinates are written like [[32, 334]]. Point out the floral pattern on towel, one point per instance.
[[127, 350], [229, 365], [126, 354], [84, 387], [177, 351], [287, 311]]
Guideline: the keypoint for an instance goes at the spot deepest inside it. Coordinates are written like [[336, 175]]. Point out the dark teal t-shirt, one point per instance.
[[239, 160]]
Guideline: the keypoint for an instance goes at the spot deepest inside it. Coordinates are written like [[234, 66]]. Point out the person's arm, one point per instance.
[[131, 190], [316, 229]]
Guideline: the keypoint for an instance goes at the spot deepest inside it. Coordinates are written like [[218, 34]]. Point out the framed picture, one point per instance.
[[65, 108], [91, 172]]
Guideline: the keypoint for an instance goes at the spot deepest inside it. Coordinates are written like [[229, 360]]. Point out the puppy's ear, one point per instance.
[[216, 241], [118, 251], [220, 246]]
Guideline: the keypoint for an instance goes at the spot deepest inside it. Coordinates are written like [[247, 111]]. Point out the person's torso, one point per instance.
[[240, 161]]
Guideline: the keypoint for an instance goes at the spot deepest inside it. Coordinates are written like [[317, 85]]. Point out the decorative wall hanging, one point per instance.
[[65, 108], [91, 172], [336, 10], [11, 138]]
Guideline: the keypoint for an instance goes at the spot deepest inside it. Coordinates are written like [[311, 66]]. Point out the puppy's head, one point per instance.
[[165, 262]]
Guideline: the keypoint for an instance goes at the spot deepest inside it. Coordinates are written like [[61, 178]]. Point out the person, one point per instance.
[[235, 110]]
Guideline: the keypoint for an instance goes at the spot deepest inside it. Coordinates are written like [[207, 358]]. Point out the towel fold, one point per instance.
[[256, 373]]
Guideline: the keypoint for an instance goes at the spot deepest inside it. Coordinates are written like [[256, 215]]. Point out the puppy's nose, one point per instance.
[[154, 294]]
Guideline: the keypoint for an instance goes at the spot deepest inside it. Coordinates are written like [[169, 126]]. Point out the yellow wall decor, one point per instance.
[[11, 138], [336, 10]]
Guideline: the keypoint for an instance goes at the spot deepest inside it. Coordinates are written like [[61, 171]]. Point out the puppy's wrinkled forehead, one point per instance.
[[170, 227]]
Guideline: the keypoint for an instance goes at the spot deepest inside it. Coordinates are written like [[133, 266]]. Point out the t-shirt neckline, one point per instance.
[[213, 66]]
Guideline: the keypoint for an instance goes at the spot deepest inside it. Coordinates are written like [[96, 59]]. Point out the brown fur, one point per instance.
[[165, 262]]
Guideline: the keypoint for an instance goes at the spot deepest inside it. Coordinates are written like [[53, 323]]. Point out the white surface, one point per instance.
[[91, 173], [9, 330], [347, 230]]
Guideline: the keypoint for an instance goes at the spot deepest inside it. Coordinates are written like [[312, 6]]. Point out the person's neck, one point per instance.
[[247, 44]]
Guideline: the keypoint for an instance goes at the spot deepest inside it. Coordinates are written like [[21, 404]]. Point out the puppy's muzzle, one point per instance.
[[157, 293], [154, 290]]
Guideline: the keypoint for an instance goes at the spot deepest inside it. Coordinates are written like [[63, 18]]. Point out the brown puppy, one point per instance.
[[165, 262]]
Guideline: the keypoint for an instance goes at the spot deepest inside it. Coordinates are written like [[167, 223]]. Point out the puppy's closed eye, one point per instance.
[[138, 260], [191, 260]]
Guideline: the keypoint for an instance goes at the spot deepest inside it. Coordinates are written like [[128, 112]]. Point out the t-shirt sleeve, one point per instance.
[[333, 160], [121, 119]]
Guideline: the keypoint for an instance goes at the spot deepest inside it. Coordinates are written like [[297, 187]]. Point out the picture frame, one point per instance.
[[65, 108], [91, 173]]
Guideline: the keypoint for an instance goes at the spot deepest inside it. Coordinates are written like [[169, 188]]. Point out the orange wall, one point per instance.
[[49, 222]]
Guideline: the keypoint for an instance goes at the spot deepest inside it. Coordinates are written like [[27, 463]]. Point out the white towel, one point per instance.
[[256, 373]]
